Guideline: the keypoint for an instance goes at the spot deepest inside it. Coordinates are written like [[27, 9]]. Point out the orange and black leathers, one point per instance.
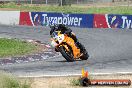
[[70, 40], [64, 30]]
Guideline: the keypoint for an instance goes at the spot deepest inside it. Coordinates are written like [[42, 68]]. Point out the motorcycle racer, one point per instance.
[[65, 42], [64, 30]]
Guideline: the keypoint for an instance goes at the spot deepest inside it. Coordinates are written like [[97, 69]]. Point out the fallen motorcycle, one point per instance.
[[67, 47]]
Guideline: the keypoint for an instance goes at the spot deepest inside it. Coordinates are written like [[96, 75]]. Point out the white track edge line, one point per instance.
[[65, 75]]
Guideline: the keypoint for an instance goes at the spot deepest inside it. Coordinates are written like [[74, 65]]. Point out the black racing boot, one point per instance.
[[80, 45]]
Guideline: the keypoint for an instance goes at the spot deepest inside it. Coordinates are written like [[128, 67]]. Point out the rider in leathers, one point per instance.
[[64, 30]]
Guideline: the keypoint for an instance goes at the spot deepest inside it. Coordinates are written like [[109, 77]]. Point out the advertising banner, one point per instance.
[[112, 21], [100, 21], [76, 20], [25, 19], [120, 21], [9, 17], [44, 19]]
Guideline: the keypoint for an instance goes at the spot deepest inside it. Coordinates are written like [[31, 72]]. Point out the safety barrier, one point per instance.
[[44, 19], [74, 20], [9, 17], [112, 21]]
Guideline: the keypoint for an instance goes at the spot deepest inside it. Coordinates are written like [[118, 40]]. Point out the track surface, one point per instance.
[[110, 52]]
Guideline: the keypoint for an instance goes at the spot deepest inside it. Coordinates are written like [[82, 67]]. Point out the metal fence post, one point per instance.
[[31, 2], [46, 2], [93, 1], [128, 3], [77, 1], [61, 2]]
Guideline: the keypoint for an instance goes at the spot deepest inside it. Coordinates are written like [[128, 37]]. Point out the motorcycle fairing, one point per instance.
[[70, 42], [60, 38]]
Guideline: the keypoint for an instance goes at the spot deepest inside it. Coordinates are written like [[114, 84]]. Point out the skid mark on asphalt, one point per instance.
[[29, 58]]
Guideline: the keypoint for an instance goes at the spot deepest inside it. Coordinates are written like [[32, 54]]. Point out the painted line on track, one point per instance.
[[95, 74]]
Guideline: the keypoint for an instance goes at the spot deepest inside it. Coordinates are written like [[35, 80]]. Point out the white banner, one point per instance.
[[9, 17]]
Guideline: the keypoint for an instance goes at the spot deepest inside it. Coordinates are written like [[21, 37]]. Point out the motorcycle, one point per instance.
[[67, 47]]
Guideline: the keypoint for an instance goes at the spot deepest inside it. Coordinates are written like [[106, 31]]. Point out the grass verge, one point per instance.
[[15, 47], [70, 9], [73, 81], [9, 81]]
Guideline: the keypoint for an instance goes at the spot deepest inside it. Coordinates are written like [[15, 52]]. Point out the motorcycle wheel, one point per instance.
[[85, 53], [68, 55]]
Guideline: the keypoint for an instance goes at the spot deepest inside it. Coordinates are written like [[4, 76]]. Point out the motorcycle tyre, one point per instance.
[[69, 58]]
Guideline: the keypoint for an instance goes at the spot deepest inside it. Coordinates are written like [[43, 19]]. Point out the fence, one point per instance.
[[70, 2]]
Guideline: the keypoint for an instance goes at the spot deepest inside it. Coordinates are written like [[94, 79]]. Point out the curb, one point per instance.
[[72, 75]]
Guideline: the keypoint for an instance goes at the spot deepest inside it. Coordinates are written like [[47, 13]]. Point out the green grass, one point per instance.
[[14, 47], [75, 82], [9, 81], [70, 9]]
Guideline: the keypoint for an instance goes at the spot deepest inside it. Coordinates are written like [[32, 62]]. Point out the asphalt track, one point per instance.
[[110, 51]]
